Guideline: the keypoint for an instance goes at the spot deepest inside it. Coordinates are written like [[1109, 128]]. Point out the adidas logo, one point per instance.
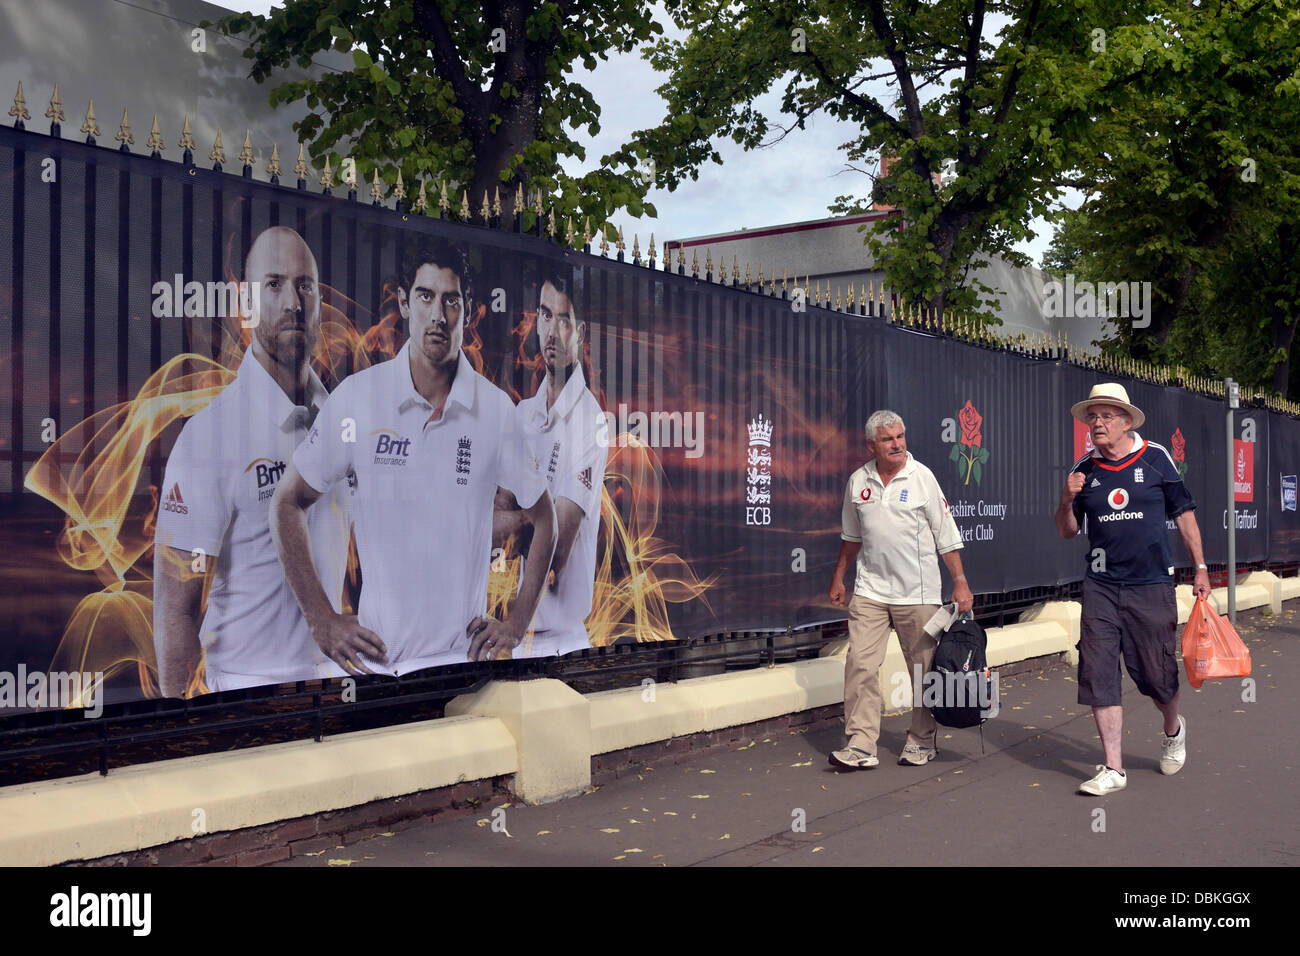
[[585, 477], [1095, 483], [174, 502]]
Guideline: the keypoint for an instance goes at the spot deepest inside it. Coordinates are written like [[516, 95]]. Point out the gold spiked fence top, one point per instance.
[[867, 298]]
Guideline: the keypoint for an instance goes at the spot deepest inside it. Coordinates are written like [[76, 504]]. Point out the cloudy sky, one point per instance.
[[792, 180]]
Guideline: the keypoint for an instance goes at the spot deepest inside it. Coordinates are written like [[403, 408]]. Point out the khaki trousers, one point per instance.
[[869, 624]]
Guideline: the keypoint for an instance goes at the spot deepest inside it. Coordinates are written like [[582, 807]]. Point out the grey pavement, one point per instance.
[[1014, 804]]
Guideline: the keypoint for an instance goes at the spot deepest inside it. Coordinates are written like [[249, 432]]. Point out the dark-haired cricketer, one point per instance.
[[423, 441], [569, 437]]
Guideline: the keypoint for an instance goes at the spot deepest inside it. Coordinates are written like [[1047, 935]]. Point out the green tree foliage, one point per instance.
[[1193, 185], [922, 82], [473, 93]]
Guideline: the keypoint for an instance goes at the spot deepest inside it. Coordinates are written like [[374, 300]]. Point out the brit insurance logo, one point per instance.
[[758, 473], [968, 451], [390, 447], [267, 473]]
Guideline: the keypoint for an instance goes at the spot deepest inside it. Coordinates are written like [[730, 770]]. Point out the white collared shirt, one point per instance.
[[571, 444], [216, 497], [422, 495], [903, 527]]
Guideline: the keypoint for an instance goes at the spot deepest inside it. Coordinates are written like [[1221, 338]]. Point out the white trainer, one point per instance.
[[1173, 750], [1106, 781]]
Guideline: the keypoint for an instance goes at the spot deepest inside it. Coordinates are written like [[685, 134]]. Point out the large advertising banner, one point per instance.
[[250, 435]]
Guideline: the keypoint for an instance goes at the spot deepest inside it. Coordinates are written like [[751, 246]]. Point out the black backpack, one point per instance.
[[959, 679]]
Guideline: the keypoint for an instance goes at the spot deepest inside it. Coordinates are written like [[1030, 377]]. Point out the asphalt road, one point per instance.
[[777, 802]]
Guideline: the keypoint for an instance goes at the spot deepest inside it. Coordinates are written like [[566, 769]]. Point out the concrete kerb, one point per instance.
[[152, 804]]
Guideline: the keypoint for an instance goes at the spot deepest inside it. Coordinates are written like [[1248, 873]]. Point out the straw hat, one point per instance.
[[1108, 393]]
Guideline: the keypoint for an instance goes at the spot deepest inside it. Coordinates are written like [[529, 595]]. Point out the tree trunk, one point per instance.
[[1283, 335]]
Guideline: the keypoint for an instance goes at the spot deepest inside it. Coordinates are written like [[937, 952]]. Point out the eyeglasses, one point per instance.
[[1106, 417]]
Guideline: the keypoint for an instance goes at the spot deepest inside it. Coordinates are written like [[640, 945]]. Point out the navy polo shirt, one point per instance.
[[1123, 507]]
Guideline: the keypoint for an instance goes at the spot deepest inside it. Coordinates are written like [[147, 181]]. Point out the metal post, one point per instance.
[[1230, 394]]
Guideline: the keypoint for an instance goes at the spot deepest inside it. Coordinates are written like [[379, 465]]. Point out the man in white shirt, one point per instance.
[[424, 442], [569, 437], [221, 474], [895, 523]]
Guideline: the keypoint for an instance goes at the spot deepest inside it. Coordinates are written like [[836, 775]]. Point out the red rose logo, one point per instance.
[[1180, 451], [969, 453], [971, 421]]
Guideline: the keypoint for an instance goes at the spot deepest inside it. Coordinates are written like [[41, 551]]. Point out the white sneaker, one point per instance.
[[917, 755], [1106, 781], [1173, 750], [852, 758]]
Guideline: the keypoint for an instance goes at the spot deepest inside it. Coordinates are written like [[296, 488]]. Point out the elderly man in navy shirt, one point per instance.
[[1121, 494]]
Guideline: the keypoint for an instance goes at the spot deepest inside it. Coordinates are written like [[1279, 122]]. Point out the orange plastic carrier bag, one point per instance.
[[1211, 647]]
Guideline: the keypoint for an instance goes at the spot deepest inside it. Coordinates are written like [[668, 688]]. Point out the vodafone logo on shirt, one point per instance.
[[1118, 501]]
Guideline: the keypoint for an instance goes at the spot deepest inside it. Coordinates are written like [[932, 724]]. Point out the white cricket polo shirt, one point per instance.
[[216, 496], [422, 495], [903, 528], [571, 445]]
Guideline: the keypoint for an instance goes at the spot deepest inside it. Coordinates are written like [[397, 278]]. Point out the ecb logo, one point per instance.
[[758, 473]]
